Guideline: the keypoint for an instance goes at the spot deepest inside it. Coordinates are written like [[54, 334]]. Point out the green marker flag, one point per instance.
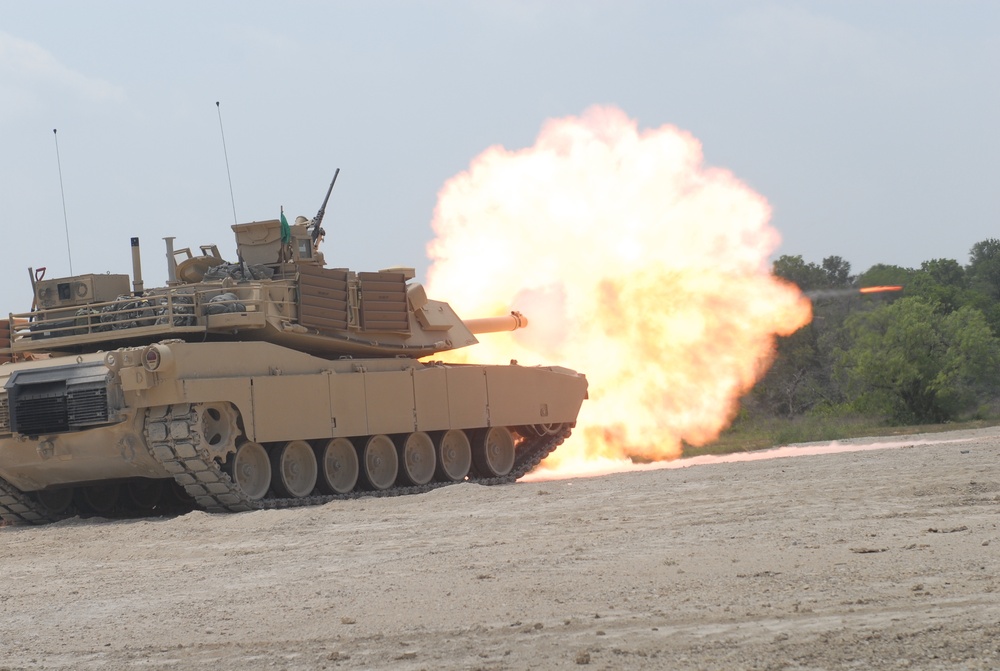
[[286, 231]]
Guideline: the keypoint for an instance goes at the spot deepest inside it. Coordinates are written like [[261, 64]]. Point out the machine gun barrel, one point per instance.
[[315, 224], [318, 219]]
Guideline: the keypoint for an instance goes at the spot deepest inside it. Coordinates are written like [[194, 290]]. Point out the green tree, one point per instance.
[[946, 272], [806, 276], [943, 282], [796, 380], [984, 267], [834, 273], [838, 272], [911, 363], [800, 377], [885, 275]]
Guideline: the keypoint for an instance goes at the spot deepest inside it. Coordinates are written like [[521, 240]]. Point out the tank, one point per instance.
[[266, 382]]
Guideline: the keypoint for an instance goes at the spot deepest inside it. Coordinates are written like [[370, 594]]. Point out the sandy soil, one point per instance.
[[882, 559]]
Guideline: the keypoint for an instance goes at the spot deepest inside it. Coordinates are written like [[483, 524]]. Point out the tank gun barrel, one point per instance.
[[511, 322]]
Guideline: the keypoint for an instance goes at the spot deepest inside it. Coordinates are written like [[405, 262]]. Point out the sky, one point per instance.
[[872, 128]]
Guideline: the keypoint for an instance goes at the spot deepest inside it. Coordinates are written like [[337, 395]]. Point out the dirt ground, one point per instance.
[[885, 558]]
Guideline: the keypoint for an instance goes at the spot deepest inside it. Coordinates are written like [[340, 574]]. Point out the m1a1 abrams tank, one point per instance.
[[268, 382]]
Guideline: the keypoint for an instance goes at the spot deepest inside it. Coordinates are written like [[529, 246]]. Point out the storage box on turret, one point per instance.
[[80, 290], [5, 354]]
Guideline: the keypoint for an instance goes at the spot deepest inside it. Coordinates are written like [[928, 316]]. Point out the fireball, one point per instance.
[[635, 263]]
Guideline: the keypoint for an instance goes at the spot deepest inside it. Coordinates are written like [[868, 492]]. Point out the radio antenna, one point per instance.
[[62, 193], [226, 154]]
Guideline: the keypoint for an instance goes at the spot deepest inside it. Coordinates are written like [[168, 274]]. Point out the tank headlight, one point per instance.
[[157, 358], [151, 358]]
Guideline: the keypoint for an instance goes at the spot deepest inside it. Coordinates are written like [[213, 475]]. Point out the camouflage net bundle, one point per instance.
[[125, 313], [183, 310], [223, 303], [130, 312], [241, 272]]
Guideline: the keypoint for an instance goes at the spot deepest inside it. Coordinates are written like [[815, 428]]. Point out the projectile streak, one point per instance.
[[844, 293], [876, 290]]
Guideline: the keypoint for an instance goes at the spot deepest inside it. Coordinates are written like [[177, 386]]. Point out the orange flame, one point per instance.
[[635, 264], [875, 290]]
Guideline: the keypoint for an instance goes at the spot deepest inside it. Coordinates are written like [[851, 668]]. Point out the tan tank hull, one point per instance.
[[213, 417]]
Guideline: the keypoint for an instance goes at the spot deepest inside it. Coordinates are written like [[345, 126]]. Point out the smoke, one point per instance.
[[819, 294], [635, 263]]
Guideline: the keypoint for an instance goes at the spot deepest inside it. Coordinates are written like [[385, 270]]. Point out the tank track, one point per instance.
[[18, 507], [173, 439]]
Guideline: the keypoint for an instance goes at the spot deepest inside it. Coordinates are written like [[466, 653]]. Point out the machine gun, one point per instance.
[[317, 231]]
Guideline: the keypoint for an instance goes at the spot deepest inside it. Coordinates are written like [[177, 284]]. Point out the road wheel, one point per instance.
[[379, 463], [416, 458], [454, 455], [493, 451], [98, 499], [293, 469], [250, 469], [145, 494], [55, 501], [338, 466]]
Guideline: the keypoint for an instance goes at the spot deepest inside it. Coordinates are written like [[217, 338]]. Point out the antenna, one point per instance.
[[63, 194], [226, 154]]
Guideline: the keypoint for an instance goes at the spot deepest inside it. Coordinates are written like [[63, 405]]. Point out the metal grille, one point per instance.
[[4, 414], [39, 413], [87, 406], [43, 414], [57, 398]]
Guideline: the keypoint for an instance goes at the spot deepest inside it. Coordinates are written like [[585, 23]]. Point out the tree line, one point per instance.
[[928, 354]]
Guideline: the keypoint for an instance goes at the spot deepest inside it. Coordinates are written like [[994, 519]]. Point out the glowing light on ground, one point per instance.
[[634, 262], [608, 466]]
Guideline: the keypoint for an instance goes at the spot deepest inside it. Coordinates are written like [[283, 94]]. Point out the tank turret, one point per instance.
[[276, 290]]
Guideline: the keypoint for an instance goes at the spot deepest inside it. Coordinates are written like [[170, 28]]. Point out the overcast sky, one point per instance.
[[872, 128]]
